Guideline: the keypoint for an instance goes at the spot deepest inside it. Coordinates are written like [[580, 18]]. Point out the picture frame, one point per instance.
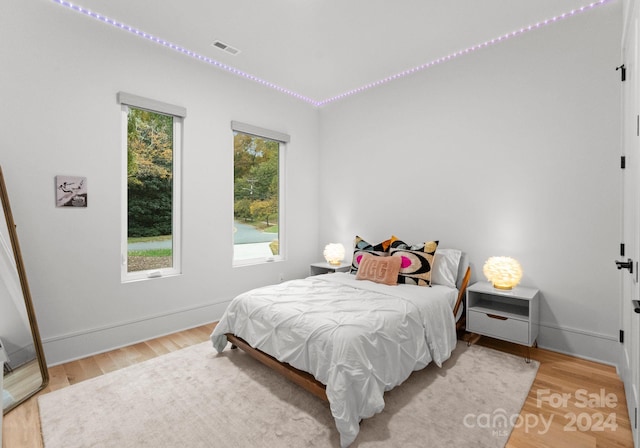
[[71, 191]]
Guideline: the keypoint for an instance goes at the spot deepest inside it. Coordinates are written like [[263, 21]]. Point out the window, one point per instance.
[[152, 135], [258, 185]]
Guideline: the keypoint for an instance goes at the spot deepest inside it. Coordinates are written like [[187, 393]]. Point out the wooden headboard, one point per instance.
[[462, 291]]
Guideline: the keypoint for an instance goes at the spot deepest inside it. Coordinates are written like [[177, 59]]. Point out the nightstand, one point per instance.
[[511, 316], [322, 267]]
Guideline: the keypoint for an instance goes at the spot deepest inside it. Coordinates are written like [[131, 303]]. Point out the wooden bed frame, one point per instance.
[[306, 380]]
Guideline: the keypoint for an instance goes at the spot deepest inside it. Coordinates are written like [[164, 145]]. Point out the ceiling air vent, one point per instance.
[[224, 47]]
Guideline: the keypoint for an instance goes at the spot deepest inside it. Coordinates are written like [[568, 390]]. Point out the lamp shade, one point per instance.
[[334, 253], [502, 272]]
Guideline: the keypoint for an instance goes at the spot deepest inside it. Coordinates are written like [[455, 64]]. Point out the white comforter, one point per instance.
[[359, 338]]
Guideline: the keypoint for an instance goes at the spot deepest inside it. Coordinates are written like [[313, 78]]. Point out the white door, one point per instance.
[[630, 321]]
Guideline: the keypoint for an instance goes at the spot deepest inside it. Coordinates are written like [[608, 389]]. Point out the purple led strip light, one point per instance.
[[183, 50], [468, 50], [316, 103]]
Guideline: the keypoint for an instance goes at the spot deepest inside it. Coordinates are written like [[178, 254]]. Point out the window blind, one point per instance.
[[140, 102], [260, 132]]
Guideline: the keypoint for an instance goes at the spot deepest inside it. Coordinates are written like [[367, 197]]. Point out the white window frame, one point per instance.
[[178, 113], [282, 139]]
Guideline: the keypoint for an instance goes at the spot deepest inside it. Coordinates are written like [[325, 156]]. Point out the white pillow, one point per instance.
[[445, 267]]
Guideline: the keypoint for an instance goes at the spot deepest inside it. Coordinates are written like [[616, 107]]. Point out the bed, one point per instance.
[[344, 339]]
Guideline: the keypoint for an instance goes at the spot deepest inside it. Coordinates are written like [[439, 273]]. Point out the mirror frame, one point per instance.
[[22, 275]]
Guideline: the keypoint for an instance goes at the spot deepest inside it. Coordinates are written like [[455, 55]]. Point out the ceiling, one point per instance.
[[321, 49]]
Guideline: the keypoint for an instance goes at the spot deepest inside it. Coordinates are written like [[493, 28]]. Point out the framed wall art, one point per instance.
[[71, 191]]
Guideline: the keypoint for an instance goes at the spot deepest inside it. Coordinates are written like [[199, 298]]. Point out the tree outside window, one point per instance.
[[256, 197], [149, 190]]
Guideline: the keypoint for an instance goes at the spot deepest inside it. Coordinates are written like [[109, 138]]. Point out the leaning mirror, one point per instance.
[[21, 355]]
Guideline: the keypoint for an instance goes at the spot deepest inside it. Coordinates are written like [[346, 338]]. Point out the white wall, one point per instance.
[[60, 75], [512, 150]]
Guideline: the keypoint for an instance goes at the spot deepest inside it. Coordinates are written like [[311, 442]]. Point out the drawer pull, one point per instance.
[[495, 316]]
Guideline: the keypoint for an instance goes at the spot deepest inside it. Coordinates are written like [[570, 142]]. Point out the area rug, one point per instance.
[[195, 397]]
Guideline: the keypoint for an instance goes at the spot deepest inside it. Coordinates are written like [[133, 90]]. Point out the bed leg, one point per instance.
[[472, 338]]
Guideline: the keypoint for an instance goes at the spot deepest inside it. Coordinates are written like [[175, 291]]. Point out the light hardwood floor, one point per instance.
[[558, 374], [591, 413]]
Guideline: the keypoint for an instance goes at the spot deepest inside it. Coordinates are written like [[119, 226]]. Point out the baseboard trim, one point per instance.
[[579, 331], [92, 341], [589, 345], [76, 345]]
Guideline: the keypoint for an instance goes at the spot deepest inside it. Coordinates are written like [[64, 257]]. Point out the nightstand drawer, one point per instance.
[[509, 329]]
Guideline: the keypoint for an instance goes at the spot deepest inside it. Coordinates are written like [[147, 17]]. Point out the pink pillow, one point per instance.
[[379, 269]]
